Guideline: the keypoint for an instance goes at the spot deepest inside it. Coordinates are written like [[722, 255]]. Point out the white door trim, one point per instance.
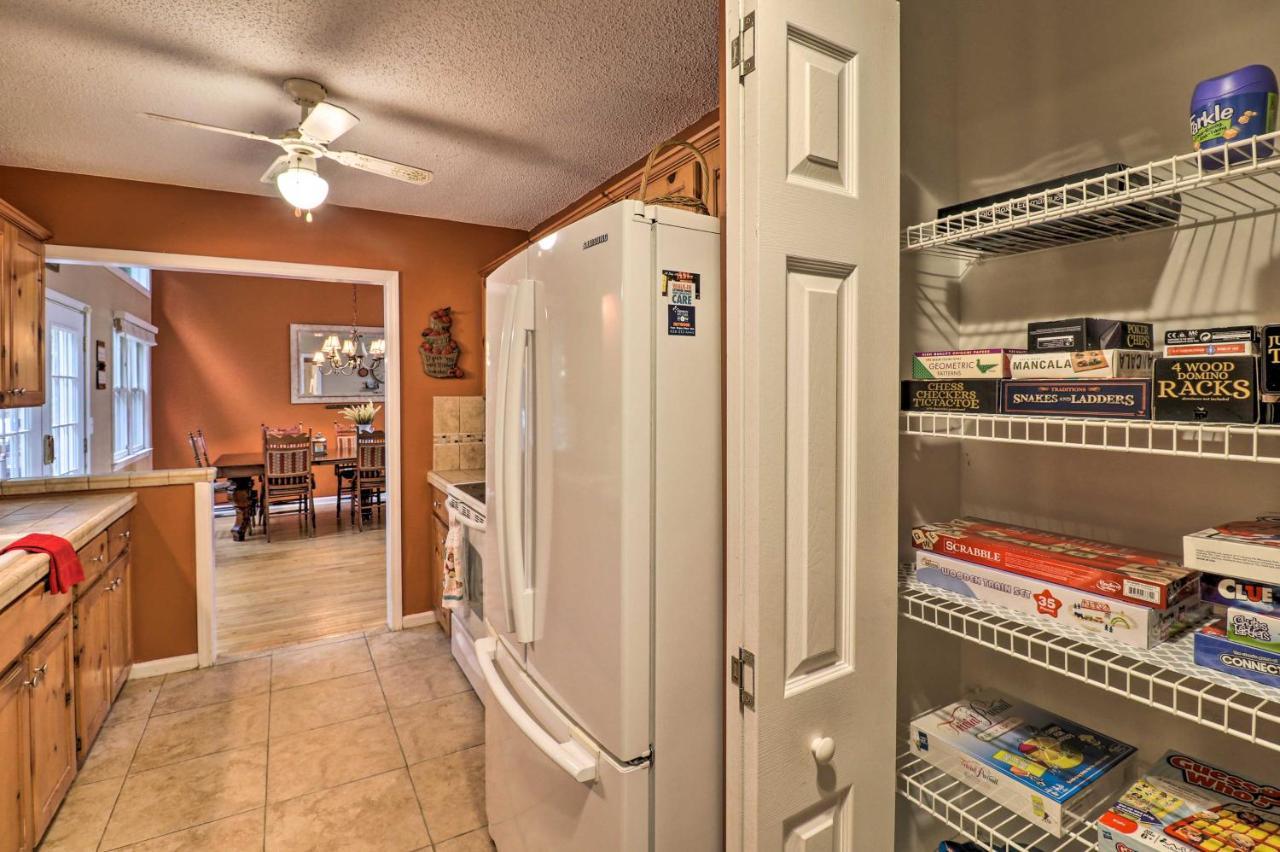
[[389, 280]]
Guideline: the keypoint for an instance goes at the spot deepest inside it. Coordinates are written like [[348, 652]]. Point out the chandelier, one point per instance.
[[353, 355]]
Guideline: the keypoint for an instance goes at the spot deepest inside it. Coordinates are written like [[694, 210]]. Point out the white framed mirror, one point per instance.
[[334, 363]]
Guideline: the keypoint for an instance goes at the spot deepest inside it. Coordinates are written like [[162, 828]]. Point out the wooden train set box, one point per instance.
[[1084, 333], [1123, 398], [959, 396], [1206, 390]]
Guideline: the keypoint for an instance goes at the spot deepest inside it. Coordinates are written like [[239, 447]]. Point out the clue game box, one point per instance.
[[1184, 804]]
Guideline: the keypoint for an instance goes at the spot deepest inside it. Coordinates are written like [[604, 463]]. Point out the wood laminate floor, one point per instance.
[[298, 588]]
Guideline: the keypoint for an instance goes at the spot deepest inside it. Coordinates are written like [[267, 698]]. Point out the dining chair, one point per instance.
[[286, 476], [296, 429], [200, 452], [371, 474], [344, 447]]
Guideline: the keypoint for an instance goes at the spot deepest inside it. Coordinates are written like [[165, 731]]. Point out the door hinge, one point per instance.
[[737, 674], [743, 47], [69, 702]]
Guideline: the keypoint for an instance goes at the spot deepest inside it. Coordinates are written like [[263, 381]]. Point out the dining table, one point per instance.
[[240, 469]]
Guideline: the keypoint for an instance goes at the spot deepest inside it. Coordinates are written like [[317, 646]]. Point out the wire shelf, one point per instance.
[[981, 819], [1196, 440], [1236, 181], [1165, 677]]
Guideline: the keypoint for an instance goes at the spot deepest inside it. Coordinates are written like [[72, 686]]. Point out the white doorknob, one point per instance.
[[823, 748]]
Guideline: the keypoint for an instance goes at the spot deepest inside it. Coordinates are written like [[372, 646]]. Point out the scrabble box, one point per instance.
[[1094, 364], [962, 364], [1123, 573], [1246, 550], [1132, 624], [1222, 592], [1037, 765], [1249, 627], [1214, 649], [1183, 804]]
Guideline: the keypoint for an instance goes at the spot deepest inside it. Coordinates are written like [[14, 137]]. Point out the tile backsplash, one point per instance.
[[458, 424]]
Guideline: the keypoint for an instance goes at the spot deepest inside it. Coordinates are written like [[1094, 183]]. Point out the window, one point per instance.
[[131, 388], [18, 441], [138, 276]]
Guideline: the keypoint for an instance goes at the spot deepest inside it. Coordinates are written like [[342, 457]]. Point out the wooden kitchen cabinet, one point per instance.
[[22, 319], [15, 744], [92, 661], [120, 632], [439, 531], [48, 678]]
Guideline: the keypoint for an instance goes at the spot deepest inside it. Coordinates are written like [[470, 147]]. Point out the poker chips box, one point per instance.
[[1184, 804]]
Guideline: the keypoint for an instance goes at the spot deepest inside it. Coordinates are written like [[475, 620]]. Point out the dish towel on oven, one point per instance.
[[453, 580], [65, 569]]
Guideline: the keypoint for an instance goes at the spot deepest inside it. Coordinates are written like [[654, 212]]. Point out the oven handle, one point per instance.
[[571, 756]]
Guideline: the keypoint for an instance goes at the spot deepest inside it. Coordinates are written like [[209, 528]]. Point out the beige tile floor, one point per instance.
[[368, 742]]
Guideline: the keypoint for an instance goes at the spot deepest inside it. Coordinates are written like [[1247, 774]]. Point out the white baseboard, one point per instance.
[[166, 665], [417, 619]]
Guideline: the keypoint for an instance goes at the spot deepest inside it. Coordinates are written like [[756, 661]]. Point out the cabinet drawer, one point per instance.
[[26, 618], [438, 507], [94, 558], [118, 536]]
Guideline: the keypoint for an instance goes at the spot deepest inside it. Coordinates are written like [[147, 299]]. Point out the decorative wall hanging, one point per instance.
[[439, 350], [100, 364]]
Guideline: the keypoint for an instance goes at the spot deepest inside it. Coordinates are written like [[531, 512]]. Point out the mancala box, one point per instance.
[[958, 396], [1118, 398], [1218, 389], [1094, 364], [963, 364]]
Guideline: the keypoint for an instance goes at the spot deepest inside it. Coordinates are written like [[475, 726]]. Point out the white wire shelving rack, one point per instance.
[[1165, 677], [981, 819], [1196, 440], [1236, 181]]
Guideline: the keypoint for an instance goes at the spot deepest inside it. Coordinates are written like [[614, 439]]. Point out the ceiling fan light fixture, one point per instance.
[[301, 185]]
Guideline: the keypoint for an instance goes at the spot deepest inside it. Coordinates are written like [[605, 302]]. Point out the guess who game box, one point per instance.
[[1036, 764], [1184, 804], [1124, 573]]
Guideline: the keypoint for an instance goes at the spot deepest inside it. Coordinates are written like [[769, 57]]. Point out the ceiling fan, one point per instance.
[[294, 172]]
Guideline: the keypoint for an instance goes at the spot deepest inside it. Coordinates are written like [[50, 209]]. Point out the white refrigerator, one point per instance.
[[603, 587]]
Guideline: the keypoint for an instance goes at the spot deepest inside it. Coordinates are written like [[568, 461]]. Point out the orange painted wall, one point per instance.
[[221, 361], [162, 573], [438, 263]]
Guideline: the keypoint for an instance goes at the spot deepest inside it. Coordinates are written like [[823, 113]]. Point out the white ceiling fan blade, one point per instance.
[[281, 163], [326, 122], [243, 134], [386, 168]]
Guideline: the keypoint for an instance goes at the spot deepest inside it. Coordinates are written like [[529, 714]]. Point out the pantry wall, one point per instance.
[[1001, 93]]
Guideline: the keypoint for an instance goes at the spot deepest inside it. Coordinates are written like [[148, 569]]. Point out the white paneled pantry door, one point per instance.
[[811, 130]]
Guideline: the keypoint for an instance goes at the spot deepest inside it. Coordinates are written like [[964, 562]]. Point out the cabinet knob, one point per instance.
[[823, 748], [36, 676]]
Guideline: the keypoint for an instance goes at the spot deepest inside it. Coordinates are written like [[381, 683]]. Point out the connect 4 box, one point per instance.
[[1132, 624], [1036, 764], [1184, 804]]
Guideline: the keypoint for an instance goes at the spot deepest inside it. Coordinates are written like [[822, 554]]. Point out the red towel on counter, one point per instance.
[[65, 569]]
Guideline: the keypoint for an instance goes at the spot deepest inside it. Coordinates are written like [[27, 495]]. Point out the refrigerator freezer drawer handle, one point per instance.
[[570, 756]]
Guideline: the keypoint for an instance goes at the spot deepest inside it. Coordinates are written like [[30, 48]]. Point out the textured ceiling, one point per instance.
[[519, 107]]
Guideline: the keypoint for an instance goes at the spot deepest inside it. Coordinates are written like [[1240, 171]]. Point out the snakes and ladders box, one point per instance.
[[1219, 389], [1132, 624], [963, 364], [1036, 764], [1246, 550], [1115, 398], [1222, 592], [1249, 627], [1128, 574], [1094, 364], [1215, 649], [958, 396], [1084, 333], [1184, 804]]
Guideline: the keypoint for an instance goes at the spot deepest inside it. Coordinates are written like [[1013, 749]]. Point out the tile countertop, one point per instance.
[[442, 479], [75, 517]]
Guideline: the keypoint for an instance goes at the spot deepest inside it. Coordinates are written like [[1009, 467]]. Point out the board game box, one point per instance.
[[1037, 765], [1223, 591], [1121, 398], [1221, 389], [1122, 573], [963, 364], [1189, 350], [1214, 649], [1084, 333], [1246, 550], [1249, 627], [1132, 624], [1271, 359], [1223, 334], [960, 396], [1183, 804], [1094, 364]]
